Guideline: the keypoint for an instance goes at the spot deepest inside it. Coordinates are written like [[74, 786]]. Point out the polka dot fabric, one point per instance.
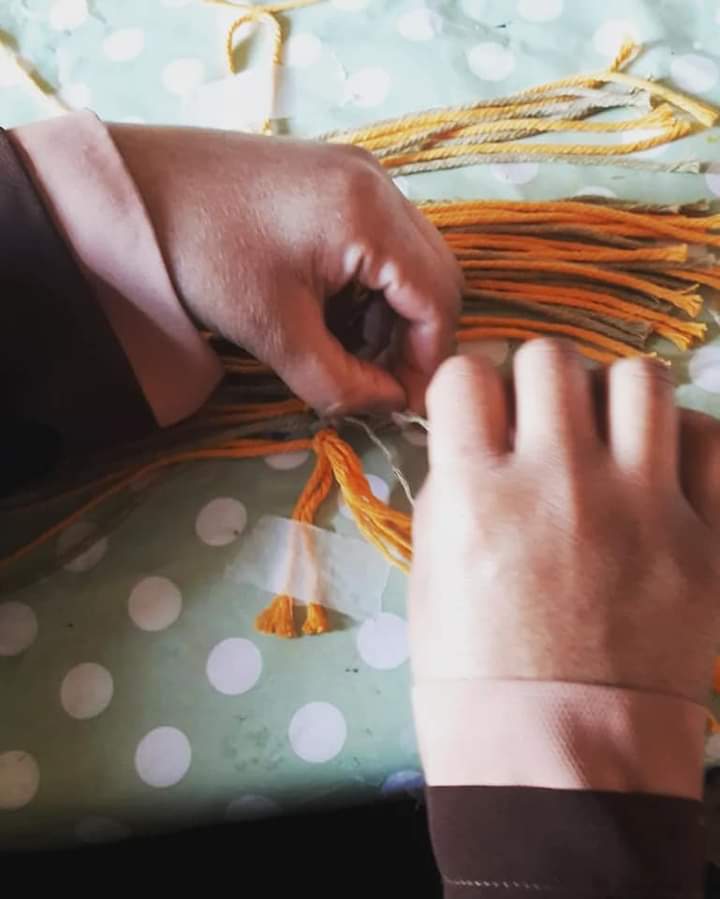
[[136, 654]]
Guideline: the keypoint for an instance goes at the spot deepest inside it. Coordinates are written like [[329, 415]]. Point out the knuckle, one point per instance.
[[356, 176], [353, 156], [553, 354], [455, 374]]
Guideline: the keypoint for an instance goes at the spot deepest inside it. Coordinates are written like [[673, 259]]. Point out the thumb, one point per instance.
[[323, 374]]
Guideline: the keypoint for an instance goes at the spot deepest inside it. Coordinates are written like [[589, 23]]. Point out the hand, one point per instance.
[[257, 232], [570, 544]]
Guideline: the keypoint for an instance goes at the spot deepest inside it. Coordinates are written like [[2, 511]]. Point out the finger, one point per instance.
[[323, 374], [418, 359], [468, 412], [643, 420], [700, 464], [422, 285], [554, 408]]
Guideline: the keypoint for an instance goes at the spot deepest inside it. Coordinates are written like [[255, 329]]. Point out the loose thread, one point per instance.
[[373, 437]]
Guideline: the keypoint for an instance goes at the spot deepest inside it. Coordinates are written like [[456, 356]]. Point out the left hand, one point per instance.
[[257, 233]]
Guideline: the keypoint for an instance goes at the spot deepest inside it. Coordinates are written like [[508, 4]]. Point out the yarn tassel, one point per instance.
[[316, 620], [278, 617], [386, 528]]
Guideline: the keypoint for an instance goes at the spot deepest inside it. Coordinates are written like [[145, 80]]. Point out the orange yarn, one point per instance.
[[386, 528]]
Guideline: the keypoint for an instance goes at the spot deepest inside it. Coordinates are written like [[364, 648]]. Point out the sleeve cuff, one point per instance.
[[98, 207], [559, 736]]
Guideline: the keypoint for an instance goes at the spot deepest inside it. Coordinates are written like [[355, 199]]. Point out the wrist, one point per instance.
[[559, 736], [100, 210]]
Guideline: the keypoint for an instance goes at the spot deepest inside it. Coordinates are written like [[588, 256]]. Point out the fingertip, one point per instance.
[[370, 390], [643, 420], [454, 377], [467, 410]]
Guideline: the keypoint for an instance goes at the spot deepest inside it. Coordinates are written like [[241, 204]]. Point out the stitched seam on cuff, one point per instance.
[[641, 893]]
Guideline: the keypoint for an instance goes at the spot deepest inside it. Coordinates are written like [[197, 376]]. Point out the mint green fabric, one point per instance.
[[135, 695]]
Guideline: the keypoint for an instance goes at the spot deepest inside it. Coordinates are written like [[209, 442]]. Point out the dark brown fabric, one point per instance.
[[517, 842], [66, 387]]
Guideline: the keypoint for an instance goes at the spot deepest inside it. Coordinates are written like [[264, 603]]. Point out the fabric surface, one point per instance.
[[135, 694]]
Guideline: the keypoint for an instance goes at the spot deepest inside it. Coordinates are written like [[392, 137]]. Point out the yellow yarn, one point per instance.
[[29, 74], [425, 140], [264, 14]]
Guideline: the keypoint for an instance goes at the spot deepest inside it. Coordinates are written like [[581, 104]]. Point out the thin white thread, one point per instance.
[[399, 476], [403, 419]]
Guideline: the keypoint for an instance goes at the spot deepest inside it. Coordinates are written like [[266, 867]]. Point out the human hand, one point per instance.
[[571, 540], [257, 232]]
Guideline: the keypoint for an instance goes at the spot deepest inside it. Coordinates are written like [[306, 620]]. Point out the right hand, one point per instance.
[[567, 542]]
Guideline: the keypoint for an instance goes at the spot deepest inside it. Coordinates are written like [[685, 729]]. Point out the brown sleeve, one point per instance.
[[66, 386], [520, 842]]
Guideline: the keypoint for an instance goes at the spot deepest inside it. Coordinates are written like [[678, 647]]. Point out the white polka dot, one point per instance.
[[496, 351], [162, 757], [67, 14], [379, 489], [125, 44], [173, 4], [350, 5], [76, 94], [221, 521], [182, 75], [78, 534], [694, 73], [415, 435], [704, 368], [86, 690], [301, 50], [368, 87], [382, 641], [712, 178], [234, 666], [515, 172], [18, 627], [419, 24], [19, 779], [540, 10], [287, 461], [610, 36], [407, 781], [317, 732], [154, 603], [490, 61], [593, 190], [717, 16], [95, 830], [712, 748], [144, 481], [251, 806]]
